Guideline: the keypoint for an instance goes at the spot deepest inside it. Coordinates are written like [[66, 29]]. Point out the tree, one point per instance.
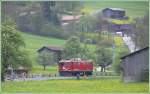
[[68, 7], [13, 54], [49, 12], [141, 32], [72, 48], [45, 58], [117, 64], [85, 53], [103, 58]]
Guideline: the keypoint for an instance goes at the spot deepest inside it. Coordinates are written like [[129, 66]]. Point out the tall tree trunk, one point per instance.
[[104, 68], [47, 12], [44, 67], [101, 69]]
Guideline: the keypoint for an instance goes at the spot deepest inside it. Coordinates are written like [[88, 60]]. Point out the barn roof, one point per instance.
[[70, 17], [115, 9], [51, 48], [134, 52]]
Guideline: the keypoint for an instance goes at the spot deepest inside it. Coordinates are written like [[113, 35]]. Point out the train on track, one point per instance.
[[75, 66]]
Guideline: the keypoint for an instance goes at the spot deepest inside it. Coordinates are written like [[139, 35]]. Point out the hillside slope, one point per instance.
[[133, 8], [34, 42]]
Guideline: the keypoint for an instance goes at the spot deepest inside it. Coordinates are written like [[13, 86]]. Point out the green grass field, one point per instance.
[[34, 42], [133, 8], [49, 70], [75, 86]]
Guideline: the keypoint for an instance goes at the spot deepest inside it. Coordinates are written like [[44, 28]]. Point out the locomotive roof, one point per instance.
[[75, 61]]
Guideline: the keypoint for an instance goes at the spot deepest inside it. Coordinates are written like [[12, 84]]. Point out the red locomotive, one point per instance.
[[75, 66]]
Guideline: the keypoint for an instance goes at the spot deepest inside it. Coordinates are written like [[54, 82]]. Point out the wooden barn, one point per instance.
[[52, 49], [135, 66], [115, 13]]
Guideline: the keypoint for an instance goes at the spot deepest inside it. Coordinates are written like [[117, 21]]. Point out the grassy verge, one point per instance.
[[75, 86], [40, 70]]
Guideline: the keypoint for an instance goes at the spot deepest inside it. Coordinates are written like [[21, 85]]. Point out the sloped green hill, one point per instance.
[[133, 8], [34, 42]]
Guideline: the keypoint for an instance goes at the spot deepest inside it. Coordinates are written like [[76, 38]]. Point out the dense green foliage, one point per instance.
[[141, 32], [40, 18], [45, 58], [103, 85], [117, 64], [72, 48], [13, 54], [103, 57]]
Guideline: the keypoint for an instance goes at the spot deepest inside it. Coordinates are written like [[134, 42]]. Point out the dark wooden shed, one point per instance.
[[135, 66], [115, 13], [54, 49]]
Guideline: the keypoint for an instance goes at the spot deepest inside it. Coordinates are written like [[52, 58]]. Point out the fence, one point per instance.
[[105, 74]]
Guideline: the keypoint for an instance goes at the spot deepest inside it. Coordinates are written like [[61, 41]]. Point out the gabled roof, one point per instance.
[[115, 9], [70, 17], [146, 48], [51, 48], [120, 9]]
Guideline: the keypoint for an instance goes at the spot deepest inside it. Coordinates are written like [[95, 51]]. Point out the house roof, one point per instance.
[[120, 9], [115, 9], [146, 48], [52, 48], [70, 17]]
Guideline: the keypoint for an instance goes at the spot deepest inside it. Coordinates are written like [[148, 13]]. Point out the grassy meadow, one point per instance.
[[34, 42], [49, 70], [133, 8], [106, 85]]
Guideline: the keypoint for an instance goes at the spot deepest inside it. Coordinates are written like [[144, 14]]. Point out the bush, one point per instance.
[[53, 31]]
